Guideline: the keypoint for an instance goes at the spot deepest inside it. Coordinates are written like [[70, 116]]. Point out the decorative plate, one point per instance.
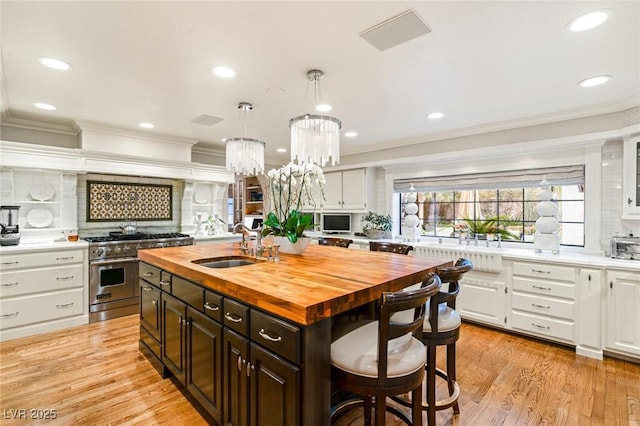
[[39, 218], [41, 192], [201, 196]]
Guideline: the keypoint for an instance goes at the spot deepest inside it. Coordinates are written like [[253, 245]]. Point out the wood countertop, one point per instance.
[[322, 282]]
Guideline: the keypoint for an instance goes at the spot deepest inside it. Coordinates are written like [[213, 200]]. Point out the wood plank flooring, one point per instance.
[[94, 375]]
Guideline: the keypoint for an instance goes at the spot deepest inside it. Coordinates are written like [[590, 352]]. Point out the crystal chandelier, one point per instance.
[[315, 138], [244, 156]]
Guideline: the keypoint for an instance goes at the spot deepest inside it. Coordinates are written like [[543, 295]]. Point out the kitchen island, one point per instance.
[[252, 343]]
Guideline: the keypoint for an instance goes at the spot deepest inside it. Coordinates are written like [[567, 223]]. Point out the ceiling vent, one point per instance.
[[206, 120], [395, 31]]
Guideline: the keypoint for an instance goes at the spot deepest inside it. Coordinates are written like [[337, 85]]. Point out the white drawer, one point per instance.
[[555, 329], [47, 258], [546, 271], [19, 311], [545, 287], [559, 308], [16, 283]]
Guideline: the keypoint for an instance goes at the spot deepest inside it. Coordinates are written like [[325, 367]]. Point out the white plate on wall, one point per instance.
[[39, 218], [41, 192], [201, 196]]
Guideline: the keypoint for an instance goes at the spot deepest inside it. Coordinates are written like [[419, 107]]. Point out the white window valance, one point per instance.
[[563, 175]]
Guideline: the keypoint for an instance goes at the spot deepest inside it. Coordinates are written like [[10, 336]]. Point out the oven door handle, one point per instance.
[[111, 262]]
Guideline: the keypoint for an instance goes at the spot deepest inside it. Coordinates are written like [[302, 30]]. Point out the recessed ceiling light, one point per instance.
[[55, 63], [146, 125], [44, 106], [323, 108], [435, 115], [594, 81], [351, 134], [589, 20], [224, 72], [281, 150]]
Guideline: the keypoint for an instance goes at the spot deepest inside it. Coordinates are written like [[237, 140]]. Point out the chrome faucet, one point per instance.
[[246, 232]]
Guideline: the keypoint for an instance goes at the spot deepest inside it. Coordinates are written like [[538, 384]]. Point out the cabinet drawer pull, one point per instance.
[[65, 305], [68, 277], [155, 302], [65, 258], [540, 271], [209, 307], [233, 318], [540, 306], [9, 315], [239, 363], [266, 336], [147, 288], [11, 263], [541, 288], [163, 282], [9, 284], [249, 368], [541, 326], [148, 274]]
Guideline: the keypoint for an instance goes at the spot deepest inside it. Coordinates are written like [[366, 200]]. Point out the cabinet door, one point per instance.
[[590, 297], [173, 314], [150, 317], [275, 390], [236, 381], [482, 300], [631, 181], [332, 191], [354, 189], [623, 315], [204, 361]]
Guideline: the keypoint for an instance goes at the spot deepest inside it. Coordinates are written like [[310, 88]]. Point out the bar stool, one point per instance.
[[442, 328], [390, 247], [338, 242], [383, 358]]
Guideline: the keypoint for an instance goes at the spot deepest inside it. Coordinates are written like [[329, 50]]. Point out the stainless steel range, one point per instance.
[[113, 271]]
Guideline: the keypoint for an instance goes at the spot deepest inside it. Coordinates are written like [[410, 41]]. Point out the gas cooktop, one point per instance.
[[119, 236]]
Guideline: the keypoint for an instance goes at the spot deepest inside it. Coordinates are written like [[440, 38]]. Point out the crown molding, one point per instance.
[[22, 123], [120, 131]]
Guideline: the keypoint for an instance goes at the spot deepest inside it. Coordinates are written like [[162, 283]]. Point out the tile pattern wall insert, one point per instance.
[[108, 201]]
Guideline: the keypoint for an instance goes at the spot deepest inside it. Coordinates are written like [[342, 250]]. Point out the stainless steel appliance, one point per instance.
[[113, 271], [625, 248], [10, 234]]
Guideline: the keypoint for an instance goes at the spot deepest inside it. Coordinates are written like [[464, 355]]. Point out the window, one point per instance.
[[505, 208]]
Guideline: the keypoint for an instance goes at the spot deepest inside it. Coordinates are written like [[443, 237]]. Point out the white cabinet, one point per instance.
[[42, 290], [543, 300], [482, 298], [623, 312], [631, 178], [589, 322], [348, 190]]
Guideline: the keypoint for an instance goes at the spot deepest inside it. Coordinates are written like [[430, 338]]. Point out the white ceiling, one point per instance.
[[484, 64]]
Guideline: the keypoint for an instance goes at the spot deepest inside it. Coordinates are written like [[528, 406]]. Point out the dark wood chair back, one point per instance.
[[338, 242], [450, 275], [390, 247]]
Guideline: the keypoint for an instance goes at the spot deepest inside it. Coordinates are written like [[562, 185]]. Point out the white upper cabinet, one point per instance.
[[348, 190], [631, 179]]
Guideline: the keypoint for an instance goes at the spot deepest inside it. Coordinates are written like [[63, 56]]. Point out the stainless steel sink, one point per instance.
[[226, 262]]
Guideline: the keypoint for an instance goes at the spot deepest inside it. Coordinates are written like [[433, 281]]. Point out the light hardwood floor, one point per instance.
[[94, 375]]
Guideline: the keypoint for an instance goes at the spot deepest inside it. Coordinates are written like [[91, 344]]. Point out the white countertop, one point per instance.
[[32, 244]]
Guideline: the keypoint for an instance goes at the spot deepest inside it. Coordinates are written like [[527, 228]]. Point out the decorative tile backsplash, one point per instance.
[[109, 201]]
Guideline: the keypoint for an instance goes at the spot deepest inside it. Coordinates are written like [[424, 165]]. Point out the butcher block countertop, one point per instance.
[[307, 288]]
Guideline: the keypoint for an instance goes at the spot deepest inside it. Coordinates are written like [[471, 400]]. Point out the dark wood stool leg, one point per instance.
[[367, 410], [416, 409], [381, 403], [451, 373], [431, 385]]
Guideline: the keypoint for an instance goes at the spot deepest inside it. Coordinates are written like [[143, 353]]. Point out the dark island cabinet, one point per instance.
[[244, 366]]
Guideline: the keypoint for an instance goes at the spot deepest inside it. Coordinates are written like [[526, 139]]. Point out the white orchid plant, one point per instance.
[[291, 188]]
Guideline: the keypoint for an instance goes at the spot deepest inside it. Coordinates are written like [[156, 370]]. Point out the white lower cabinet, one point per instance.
[[589, 323], [543, 300], [482, 298], [42, 290], [623, 312]]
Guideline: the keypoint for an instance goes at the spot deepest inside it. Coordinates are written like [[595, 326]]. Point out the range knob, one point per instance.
[[99, 251], [126, 249], [108, 251], [117, 250]]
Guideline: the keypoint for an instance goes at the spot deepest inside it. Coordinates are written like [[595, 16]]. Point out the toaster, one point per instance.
[[625, 248]]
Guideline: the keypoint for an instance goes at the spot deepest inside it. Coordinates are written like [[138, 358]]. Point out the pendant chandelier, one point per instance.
[[315, 138], [244, 156]]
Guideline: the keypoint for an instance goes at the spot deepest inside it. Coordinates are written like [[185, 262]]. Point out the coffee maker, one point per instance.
[[10, 234]]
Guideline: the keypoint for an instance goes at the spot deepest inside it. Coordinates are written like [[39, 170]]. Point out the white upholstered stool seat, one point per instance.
[[357, 353], [448, 318]]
